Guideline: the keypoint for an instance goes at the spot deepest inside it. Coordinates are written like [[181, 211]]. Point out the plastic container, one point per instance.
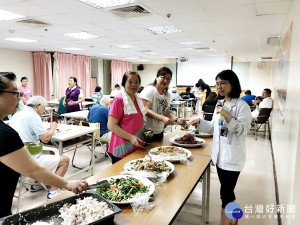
[[34, 147], [48, 213]]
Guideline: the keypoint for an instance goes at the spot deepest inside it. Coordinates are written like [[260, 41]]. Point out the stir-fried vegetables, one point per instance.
[[150, 166], [122, 189], [169, 150]]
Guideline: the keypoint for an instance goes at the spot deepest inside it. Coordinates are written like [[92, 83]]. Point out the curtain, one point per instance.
[[68, 65], [118, 68], [42, 74]]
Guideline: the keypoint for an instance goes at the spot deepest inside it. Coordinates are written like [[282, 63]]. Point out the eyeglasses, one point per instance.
[[221, 84], [17, 93], [167, 79]]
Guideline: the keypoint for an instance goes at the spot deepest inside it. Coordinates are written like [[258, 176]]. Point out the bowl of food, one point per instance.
[[34, 147], [148, 135]]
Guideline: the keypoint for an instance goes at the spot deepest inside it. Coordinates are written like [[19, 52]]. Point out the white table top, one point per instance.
[[53, 102], [56, 102], [66, 132], [177, 102], [78, 114]]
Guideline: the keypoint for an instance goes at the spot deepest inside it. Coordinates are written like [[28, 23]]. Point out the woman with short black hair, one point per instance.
[[230, 124]]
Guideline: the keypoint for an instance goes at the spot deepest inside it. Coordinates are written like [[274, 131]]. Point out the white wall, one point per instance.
[[285, 138], [259, 79], [150, 70], [18, 62]]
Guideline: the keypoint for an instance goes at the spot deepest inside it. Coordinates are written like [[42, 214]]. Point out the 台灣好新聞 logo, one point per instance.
[[233, 210]]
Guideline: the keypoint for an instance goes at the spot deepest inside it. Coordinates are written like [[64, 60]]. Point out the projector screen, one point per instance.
[[188, 73]]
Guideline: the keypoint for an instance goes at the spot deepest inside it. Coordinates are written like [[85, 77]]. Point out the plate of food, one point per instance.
[[170, 153], [124, 189], [187, 140], [197, 133], [149, 168]]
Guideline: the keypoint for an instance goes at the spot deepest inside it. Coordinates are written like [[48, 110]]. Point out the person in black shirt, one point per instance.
[[15, 159], [204, 87], [187, 95]]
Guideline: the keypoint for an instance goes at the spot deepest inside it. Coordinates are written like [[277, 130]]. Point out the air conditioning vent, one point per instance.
[[33, 23], [130, 11]]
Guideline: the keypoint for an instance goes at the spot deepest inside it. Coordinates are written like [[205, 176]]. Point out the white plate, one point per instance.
[[201, 134], [168, 157], [202, 142], [144, 181], [127, 167]]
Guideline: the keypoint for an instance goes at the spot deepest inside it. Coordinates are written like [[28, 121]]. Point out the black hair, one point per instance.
[[197, 85], [141, 88], [117, 85], [247, 92], [21, 93], [162, 72], [23, 78], [188, 89], [126, 75], [212, 97], [202, 84], [6, 75], [268, 91], [98, 89], [230, 76], [74, 79]]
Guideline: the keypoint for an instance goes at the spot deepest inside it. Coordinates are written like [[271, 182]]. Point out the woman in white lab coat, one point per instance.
[[230, 124]]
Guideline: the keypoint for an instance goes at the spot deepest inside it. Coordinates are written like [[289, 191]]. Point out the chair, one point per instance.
[[96, 135], [208, 111], [26, 181], [262, 118], [61, 109]]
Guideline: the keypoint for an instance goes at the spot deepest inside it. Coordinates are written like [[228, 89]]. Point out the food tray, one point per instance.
[[48, 213]]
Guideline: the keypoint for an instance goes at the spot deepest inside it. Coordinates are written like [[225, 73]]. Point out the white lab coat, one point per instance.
[[229, 153]]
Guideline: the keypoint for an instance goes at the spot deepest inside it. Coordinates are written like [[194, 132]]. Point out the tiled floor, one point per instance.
[[255, 186]]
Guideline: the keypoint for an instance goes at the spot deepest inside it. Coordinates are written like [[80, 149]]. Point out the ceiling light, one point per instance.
[[6, 15], [143, 60], [74, 49], [191, 43], [107, 3], [25, 40], [204, 50], [131, 58], [164, 29], [125, 46], [81, 35]]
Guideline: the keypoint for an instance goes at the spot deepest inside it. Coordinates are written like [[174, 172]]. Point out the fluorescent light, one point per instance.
[[131, 58], [164, 29], [6, 15], [81, 35], [107, 3], [24, 40], [191, 43], [204, 50], [143, 60], [125, 46], [74, 49]]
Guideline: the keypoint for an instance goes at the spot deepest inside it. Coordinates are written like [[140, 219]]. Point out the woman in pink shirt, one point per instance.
[[126, 119], [25, 88]]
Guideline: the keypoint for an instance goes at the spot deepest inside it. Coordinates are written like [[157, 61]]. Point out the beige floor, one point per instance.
[[255, 186]]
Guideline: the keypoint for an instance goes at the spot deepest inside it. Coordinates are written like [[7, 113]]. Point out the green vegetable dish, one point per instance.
[[122, 189]]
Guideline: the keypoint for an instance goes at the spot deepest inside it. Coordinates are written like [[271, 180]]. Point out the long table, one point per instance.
[[171, 196], [68, 136], [76, 115]]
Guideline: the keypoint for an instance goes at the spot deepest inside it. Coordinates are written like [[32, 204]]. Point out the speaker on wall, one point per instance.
[[140, 67]]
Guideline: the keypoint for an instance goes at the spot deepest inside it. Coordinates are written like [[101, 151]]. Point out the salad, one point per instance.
[[122, 189], [150, 166]]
